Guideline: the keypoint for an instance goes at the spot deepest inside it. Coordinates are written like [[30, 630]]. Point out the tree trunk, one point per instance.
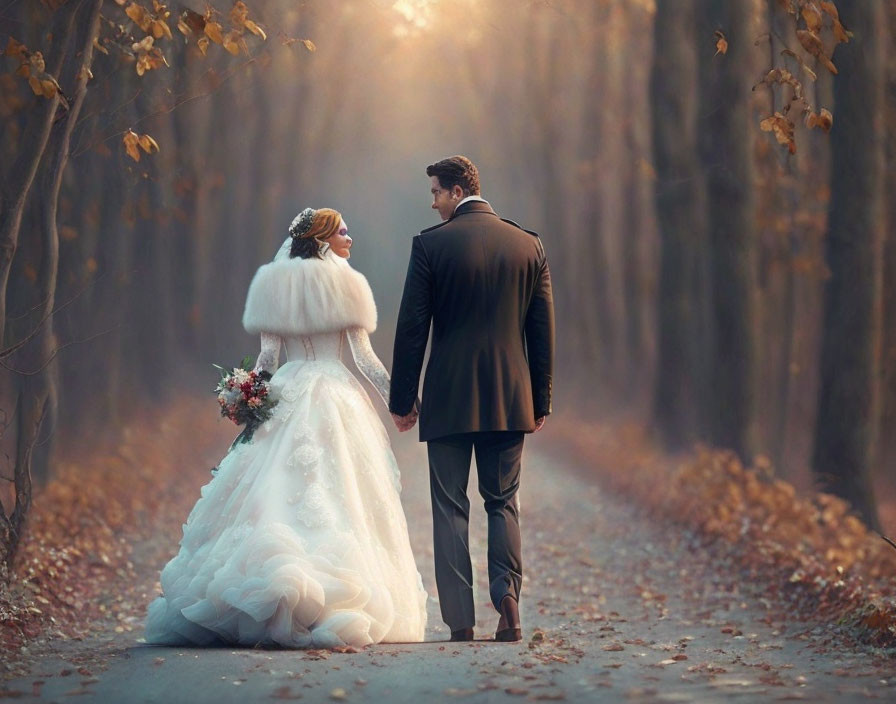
[[15, 185], [679, 208], [728, 162], [847, 404], [887, 447], [38, 390]]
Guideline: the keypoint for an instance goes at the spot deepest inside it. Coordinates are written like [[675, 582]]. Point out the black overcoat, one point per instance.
[[484, 286]]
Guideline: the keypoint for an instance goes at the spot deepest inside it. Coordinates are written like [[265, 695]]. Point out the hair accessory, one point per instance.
[[302, 223]]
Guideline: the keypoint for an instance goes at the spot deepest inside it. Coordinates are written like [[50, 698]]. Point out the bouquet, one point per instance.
[[244, 397]]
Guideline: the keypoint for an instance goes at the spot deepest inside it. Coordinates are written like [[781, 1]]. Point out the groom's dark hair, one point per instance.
[[456, 171]]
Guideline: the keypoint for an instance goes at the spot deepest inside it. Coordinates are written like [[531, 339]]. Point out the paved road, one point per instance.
[[614, 608]]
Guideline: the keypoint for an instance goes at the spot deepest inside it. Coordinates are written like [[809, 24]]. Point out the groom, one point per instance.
[[483, 284]]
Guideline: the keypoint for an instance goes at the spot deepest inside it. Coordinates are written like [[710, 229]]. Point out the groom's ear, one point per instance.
[[457, 191]]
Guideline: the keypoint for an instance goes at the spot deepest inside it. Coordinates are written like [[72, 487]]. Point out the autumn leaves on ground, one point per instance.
[[112, 517]]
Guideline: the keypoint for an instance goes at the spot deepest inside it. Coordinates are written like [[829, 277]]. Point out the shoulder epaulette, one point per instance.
[[516, 224], [434, 227]]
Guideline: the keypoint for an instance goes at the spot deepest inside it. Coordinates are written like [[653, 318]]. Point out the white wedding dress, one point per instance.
[[299, 539]]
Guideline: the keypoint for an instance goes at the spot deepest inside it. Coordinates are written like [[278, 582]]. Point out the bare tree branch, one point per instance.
[[31, 335], [225, 76], [55, 353]]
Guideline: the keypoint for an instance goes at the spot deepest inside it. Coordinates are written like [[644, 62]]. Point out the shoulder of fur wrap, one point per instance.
[[308, 296]]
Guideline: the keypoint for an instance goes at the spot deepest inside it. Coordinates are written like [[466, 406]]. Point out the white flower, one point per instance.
[[240, 376]]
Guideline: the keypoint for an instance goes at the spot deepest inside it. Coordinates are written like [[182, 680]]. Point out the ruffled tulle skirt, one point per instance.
[[300, 539]]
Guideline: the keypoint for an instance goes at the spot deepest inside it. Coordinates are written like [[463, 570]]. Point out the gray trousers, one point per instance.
[[498, 456]]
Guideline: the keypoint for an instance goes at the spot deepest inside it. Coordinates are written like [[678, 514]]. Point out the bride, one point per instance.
[[300, 539]]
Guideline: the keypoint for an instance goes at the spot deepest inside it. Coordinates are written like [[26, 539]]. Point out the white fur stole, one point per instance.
[[308, 296]]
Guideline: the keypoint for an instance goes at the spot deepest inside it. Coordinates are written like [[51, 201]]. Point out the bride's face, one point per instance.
[[340, 242]]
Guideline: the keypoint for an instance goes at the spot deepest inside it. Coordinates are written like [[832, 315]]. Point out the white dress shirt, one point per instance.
[[469, 198]]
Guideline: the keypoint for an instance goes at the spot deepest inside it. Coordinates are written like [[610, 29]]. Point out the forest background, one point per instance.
[[708, 178]]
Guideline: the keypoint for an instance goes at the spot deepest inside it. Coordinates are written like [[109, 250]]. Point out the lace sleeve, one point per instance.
[[269, 357], [367, 361]]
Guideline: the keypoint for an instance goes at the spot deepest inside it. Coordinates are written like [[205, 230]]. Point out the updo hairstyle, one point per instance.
[[311, 244]]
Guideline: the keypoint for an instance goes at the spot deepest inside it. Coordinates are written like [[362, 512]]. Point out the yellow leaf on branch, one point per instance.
[[841, 34], [191, 22], [148, 144], [256, 30], [239, 13], [721, 43], [46, 88], [793, 55], [823, 120], [233, 42], [812, 14], [41, 82], [811, 42], [213, 32], [782, 128], [131, 145], [161, 29], [239, 18], [134, 142], [140, 15], [148, 56], [36, 63]]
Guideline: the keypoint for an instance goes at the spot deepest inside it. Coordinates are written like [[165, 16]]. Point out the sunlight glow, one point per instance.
[[416, 16]]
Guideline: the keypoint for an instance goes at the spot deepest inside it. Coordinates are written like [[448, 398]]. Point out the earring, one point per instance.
[[324, 246]]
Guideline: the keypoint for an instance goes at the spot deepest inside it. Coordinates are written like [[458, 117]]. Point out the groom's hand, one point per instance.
[[539, 423], [405, 423]]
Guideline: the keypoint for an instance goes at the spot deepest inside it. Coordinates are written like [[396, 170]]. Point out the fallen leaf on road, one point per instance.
[[284, 692]]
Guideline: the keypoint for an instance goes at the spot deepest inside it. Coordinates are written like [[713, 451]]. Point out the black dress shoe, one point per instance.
[[462, 634], [509, 629]]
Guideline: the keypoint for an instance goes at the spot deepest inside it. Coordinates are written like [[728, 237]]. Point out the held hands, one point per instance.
[[405, 423]]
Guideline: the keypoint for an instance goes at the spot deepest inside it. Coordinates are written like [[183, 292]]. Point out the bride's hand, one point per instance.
[[405, 423]]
